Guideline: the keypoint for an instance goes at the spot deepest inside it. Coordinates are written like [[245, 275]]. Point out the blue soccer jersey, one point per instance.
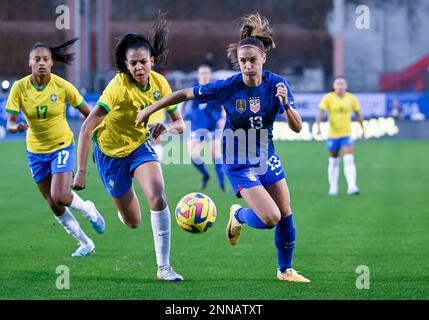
[[205, 115], [251, 113]]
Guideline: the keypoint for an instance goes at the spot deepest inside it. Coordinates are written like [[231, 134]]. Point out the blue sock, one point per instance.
[[201, 168], [284, 240], [220, 176], [249, 217]]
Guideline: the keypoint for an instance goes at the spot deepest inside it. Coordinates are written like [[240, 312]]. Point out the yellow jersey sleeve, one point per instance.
[[165, 91], [13, 104], [355, 104], [324, 104], [73, 97]]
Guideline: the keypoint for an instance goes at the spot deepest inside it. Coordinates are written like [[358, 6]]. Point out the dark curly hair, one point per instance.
[[157, 48]]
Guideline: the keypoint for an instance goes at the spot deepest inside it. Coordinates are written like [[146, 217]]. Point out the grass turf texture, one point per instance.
[[385, 228]]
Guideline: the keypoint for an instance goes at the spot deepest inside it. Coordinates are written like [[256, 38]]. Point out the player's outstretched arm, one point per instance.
[[12, 126], [94, 119], [172, 99]]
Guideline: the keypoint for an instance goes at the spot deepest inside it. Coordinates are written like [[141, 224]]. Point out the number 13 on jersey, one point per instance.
[[256, 122]]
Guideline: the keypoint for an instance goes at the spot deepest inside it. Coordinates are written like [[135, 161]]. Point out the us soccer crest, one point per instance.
[[156, 95], [240, 105], [255, 104], [54, 97]]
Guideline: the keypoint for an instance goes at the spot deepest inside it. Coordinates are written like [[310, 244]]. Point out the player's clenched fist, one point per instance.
[[282, 93]]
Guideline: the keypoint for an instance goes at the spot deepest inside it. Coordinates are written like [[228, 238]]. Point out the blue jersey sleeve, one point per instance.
[[290, 97], [213, 91]]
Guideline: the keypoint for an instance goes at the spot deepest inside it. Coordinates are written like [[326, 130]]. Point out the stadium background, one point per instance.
[[387, 66]]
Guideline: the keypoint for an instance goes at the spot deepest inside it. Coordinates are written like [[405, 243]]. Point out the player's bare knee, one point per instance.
[[129, 218], [133, 223], [157, 201], [61, 198], [272, 219]]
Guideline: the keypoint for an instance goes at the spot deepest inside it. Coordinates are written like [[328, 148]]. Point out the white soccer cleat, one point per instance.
[[291, 275], [353, 191], [85, 249], [167, 273], [333, 191], [98, 224]]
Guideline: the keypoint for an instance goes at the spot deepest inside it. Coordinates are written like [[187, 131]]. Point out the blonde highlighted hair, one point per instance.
[[255, 31]]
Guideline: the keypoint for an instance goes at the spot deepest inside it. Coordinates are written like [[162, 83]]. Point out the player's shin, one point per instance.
[[161, 228], [84, 206], [350, 170], [333, 174], [249, 217], [284, 240], [71, 225], [199, 164], [220, 174]]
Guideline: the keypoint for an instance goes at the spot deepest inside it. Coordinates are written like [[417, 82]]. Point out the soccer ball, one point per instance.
[[195, 212]]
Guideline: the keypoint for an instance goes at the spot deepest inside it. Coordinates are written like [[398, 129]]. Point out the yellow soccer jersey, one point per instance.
[[117, 135], [157, 117], [45, 112], [339, 113]]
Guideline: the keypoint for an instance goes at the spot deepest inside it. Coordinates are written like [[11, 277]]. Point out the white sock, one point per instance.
[[83, 206], [159, 150], [161, 228], [350, 170], [71, 225], [333, 172]]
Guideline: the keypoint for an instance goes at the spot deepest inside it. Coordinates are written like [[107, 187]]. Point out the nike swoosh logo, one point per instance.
[[200, 92], [61, 166], [277, 173]]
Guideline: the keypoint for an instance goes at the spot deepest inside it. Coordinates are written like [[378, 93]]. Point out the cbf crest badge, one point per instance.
[[54, 97], [240, 105], [157, 95]]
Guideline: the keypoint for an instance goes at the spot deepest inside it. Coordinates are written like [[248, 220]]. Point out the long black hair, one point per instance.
[[58, 53], [255, 31], [157, 46]]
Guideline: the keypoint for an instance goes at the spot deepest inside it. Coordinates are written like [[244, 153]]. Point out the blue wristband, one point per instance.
[[287, 106]]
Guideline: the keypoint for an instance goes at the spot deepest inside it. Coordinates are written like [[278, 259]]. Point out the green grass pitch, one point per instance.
[[385, 228]]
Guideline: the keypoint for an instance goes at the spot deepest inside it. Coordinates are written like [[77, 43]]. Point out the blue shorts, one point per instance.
[[43, 165], [117, 173], [242, 177], [336, 144]]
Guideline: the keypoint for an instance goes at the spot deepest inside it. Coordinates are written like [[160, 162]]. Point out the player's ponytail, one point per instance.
[[157, 49], [58, 53], [160, 36], [255, 31]]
